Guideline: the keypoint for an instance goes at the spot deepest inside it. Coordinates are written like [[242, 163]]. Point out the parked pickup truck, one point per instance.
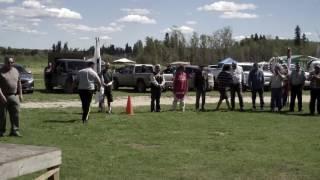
[[134, 75]]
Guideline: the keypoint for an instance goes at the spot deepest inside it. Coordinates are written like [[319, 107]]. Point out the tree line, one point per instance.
[[201, 49]]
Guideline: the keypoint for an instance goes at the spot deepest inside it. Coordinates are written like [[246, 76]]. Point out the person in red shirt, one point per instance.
[[180, 88]]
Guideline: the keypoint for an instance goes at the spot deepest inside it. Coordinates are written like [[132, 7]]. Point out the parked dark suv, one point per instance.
[[27, 80]]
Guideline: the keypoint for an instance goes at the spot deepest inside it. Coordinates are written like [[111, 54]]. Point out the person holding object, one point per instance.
[[276, 81], [314, 78], [236, 86], [285, 86], [224, 82], [157, 84], [107, 81], [86, 80], [10, 87], [180, 88], [201, 85], [296, 82], [256, 84]]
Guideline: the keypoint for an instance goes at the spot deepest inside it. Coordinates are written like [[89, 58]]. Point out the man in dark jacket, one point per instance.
[[256, 83], [201, 84], [157, 83]]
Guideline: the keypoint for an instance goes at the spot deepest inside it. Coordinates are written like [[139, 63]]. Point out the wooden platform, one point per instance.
[[17, 160]]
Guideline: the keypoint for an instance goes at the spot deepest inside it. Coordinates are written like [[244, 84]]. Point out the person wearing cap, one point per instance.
[[10, 88], [86, 80], [107, 81], [225, 80], [256, 84], [296, 82], [180, 88], [236, 86], [276, 82], [314, 78], [201, 85], [157, 84]]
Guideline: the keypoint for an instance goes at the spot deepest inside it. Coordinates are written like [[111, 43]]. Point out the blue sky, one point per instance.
[[40, 23]]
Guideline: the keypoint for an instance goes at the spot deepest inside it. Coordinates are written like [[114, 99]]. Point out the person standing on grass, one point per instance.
[[285, 88], [86, 80], [236, 86], [314, 78], [256, 84], [48, 76], [225, 80], [10, 87], [107, 82], [296, 82], [157, 84], [201, 85], [276, 81], [180, 88]]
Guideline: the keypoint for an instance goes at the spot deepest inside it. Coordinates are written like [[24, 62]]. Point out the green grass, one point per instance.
[[175, 145]]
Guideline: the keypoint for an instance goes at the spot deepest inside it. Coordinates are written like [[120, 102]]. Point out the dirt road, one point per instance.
[[137, 101]]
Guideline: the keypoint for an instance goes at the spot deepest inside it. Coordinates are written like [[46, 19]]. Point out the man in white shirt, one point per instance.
[[236, 87], [86, 79]]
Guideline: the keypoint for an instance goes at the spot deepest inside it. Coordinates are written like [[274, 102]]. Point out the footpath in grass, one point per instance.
[[175, 145]]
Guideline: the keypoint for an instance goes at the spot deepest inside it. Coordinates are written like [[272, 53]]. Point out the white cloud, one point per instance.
[[308, 33], [240, 37], [17, 27], [105, 37], [35, 10], [136, 11], [32, 4], [84, 28], [7, 1], [84, 38], [238, 15], [191, 22], [231, 10], [182, 29], [223, 6], [137, 19]]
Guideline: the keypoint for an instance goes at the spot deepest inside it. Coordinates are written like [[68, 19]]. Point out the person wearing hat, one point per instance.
[[314, 78], [10, 96], [107, 81], [201, 85], [157, 84], [296, 83]]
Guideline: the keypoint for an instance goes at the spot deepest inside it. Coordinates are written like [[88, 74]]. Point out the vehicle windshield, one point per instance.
[[246, 68]]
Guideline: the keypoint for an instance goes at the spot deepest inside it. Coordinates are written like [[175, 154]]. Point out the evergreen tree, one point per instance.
[[297, 39], [167, 40], [65, 47], [58, 46], [53, 47]]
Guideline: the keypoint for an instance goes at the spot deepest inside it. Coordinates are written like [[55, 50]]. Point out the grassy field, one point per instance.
[[175, 145]]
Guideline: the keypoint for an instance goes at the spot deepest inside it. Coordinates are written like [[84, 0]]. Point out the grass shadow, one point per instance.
[[61, 121]]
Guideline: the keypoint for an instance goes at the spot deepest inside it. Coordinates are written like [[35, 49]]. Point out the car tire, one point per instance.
[[141, 86]]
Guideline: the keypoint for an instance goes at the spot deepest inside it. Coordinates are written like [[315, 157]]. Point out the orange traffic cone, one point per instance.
[[129, 108]]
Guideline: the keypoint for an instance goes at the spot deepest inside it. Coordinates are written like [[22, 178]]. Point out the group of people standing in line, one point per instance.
[[231, 79]]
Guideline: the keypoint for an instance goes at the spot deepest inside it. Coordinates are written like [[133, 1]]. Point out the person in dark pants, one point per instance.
[[86, 79], [276, 81], [236, 86], [157, 84], [256, 84], [10, 87], [107, 83], [296, 82], [224, 82], [201, 85], [285, 86], [314, 78]]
